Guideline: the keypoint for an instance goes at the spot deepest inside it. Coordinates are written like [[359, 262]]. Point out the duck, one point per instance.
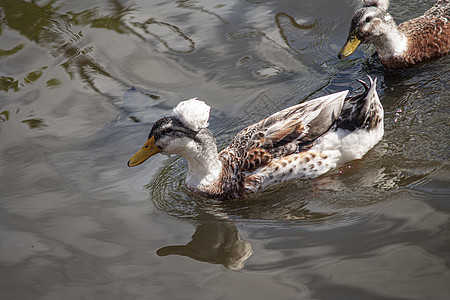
[[403, 46], [300, 142]]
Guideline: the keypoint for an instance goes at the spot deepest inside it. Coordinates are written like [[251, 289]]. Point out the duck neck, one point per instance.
[[203, 161], [392, 43]]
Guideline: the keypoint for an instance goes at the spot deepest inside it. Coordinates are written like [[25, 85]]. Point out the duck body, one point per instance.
[[412, 42], [428, 37], [300, 142]]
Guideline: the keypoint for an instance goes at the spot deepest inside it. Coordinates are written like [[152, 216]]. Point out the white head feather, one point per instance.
[[193, 113], [381, 4]]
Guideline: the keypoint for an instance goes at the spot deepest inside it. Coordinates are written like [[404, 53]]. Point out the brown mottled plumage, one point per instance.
[[412, 42], [303, 141], [268, 142]]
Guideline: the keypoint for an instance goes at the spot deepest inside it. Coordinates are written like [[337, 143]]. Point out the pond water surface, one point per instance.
[[83, 81]]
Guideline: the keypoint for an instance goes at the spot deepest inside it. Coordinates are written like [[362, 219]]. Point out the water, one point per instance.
[[76, 222]]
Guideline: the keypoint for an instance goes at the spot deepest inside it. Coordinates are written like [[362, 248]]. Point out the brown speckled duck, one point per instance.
[[302, 141], [405, 45]]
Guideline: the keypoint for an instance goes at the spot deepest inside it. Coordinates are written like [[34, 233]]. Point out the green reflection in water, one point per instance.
[[54, 82], [44, 25], [33, 123], [10, 83], [33, 76], [12, 51], [4, 115], [27, 18]]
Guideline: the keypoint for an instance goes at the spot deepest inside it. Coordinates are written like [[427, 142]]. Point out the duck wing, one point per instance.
[[283, 133]]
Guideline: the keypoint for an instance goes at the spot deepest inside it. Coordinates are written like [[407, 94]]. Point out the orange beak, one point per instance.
[[350, 46], [148, 150]]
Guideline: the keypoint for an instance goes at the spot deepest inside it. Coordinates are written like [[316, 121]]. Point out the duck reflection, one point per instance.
[[215, 243]]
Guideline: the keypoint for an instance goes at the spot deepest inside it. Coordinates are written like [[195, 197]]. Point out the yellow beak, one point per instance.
[[148, 150], [350, 46]]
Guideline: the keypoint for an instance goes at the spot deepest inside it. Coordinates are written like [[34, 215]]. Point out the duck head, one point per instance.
[[369, 24], [183, 133], [167, 136]]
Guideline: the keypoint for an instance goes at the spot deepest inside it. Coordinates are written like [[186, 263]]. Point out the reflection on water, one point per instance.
[[44, 25], [311, 36], [194, 5], [275, 205], [33, 123], [146, 26], [10, 83], [215, 243]]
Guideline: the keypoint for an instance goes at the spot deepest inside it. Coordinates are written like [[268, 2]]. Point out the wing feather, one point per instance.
[[283, 133]]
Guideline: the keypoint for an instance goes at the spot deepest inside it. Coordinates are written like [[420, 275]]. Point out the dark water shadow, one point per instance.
[[214, 243]]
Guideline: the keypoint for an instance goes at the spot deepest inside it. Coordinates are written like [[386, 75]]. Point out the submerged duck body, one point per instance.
[[303, 141], [412, 42]]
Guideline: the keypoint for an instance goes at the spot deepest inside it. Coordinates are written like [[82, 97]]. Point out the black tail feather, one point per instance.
[[359, 110]]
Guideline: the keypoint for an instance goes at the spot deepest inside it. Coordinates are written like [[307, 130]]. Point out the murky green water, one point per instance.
[[77, 223]]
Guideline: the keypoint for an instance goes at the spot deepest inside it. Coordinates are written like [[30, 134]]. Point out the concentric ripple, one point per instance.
[[333, 198]]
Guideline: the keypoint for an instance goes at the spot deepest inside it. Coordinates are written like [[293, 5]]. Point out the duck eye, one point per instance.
[[368, 19]]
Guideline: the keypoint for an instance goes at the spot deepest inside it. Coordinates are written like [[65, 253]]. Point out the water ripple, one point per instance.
[[330, 199]]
